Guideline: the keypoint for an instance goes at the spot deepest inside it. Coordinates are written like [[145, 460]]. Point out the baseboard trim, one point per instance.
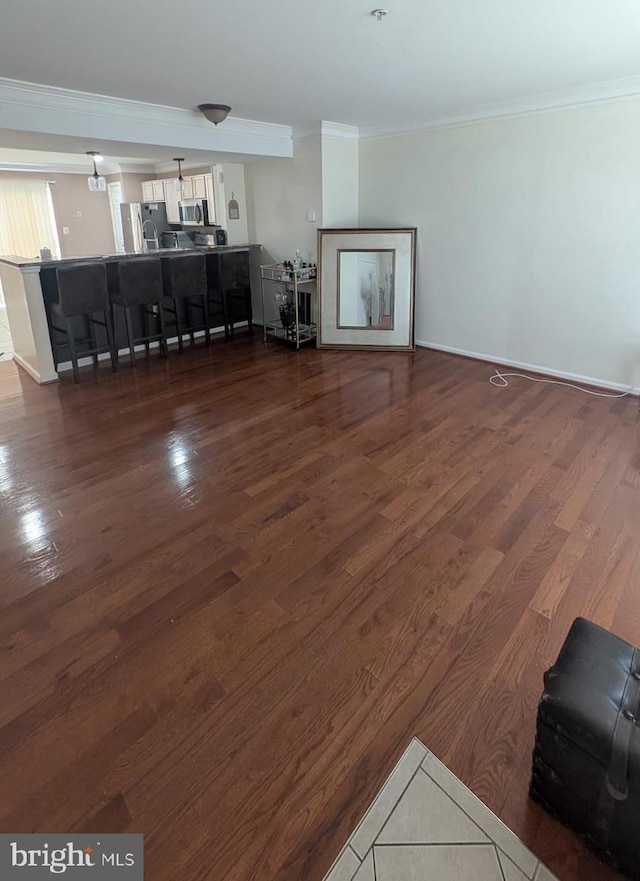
[[532, 368], [41, 378], [105, 356]]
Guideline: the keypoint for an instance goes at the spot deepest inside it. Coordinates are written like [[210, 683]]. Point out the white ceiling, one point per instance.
[[296, 61]]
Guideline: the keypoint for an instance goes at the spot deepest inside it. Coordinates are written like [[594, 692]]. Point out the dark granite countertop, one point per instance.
[[19, 262]]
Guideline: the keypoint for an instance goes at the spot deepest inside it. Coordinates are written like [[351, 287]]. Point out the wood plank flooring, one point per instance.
[[233, 587]]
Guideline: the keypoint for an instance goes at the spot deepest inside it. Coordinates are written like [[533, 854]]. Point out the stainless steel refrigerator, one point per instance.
[[143, 224]]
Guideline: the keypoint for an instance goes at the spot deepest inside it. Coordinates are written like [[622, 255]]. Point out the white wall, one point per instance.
[[322, 177], [339, 182], [279, 194], [234, 182], [528, 235]]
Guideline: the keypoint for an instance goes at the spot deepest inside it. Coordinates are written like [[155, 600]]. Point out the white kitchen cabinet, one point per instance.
[[188, 189], [199, 188], [171, 199], [153, 191], [147, 190]]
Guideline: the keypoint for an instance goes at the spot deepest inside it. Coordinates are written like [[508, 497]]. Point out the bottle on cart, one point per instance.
[[297, 263]]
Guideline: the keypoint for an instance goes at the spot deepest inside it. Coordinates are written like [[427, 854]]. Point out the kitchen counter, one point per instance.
[[29, 286], [13, 260]]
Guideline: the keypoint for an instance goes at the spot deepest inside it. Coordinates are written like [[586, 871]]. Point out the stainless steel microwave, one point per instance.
[[194, 212]]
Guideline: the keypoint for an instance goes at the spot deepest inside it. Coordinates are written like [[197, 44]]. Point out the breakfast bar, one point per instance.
[[30, 288]]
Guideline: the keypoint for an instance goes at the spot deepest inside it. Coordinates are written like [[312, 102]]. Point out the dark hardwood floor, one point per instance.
[[235, 585]]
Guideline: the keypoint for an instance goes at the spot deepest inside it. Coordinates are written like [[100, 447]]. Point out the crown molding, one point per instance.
[[170, 168], [340, 131], [42, 108], [105, 168], [594, 93], [35, 107], [44, 167], [329, 130]]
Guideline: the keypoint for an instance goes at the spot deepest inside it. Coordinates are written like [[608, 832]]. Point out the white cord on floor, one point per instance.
[[500, 380]]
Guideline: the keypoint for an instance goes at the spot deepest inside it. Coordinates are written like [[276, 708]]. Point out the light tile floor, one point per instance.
[[425, 825], [6, 345]]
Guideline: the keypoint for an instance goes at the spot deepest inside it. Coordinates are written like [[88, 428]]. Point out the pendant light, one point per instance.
[[179, 183], [97, 183]]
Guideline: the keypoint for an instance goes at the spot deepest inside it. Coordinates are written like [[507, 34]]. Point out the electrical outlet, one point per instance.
[[78, 213], [65, 230], [312, 217]]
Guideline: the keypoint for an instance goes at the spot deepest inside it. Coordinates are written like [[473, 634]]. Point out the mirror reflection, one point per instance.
[[366, 289]]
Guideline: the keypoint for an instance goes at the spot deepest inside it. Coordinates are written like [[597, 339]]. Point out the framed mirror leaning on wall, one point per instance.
[[366, 286]]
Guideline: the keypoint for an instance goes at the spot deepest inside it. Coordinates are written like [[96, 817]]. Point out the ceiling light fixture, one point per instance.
[[97, 183], [179, 183], [215, 113], [379, 13]]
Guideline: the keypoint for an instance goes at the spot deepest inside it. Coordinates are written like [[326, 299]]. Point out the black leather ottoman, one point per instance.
[[586, 760]]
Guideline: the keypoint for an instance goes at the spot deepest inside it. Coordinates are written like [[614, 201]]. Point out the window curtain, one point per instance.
[[27, 222]]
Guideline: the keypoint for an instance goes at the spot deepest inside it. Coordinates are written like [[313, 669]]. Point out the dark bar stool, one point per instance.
[[185, 286], [235, 280], [83, 293], [217, 301], [137, 285]]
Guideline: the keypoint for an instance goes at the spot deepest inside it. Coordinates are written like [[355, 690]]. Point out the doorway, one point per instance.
[[115, 200]]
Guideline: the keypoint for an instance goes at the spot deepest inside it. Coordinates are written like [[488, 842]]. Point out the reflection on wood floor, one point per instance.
[[234, 585]]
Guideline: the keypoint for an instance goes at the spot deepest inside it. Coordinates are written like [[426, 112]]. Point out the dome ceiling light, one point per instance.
[[215, 113]]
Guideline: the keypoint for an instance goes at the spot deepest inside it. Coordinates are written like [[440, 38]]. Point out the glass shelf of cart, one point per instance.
[[306, 332], [292, 295], [278, 272]]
